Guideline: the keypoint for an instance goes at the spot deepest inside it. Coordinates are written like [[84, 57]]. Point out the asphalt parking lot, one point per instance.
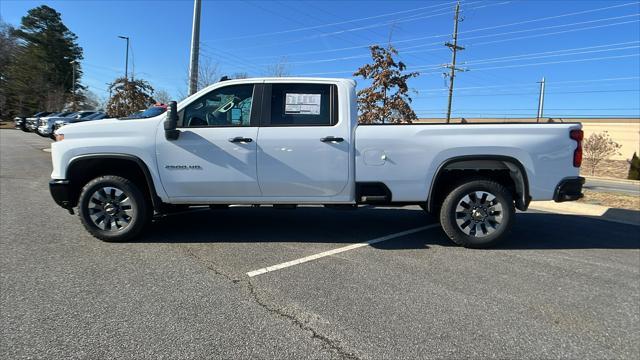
[[561, 286]]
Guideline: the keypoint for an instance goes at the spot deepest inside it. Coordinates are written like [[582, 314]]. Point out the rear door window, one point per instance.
[[302, 105]]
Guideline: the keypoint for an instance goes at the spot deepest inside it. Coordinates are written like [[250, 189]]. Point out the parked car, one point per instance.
[[20, 122], [96, 116], [79, 116], [71, 120], [296, 141], [32, 121], [45, 123]]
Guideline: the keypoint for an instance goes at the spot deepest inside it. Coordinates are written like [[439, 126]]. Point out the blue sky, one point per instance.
[[588, 51]]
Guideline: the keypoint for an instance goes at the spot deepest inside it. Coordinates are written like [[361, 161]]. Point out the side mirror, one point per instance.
[[171, 123]]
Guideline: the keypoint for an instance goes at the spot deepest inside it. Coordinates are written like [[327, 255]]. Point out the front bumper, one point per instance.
[[61, 193], [569, 189], [44, 130]]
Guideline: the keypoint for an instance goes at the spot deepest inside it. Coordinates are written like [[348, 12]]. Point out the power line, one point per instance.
[[331, 24], [541, 28], [476, 44], [528, 109], [528, 115], [499, 67], [557, 62], [555, 33], [535, 93], [280, 43], [530, 84], [556, 51], [480, 29], [530, 57]]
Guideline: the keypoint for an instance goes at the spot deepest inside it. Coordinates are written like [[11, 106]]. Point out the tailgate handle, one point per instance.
[[331, 139], [240, 139]]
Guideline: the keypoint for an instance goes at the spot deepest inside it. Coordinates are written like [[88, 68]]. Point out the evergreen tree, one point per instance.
[[129, 96], [8, 49], [387, 99], [634, 168], [39, 77]]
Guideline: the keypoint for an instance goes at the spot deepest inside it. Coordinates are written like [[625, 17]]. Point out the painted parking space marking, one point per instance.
[[337, 251]]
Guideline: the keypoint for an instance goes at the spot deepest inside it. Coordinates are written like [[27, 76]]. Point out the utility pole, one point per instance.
[[73, 84], [126, 61], [195, 48], [540, 100], [454, 47]]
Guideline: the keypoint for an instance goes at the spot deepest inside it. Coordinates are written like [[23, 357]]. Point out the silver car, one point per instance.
[[79, 117], [45, 123], [32, 121]]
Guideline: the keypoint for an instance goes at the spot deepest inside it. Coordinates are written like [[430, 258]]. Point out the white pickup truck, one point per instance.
[[296, 141]]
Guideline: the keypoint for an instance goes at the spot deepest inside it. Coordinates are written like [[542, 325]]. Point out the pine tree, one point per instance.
[[40, 74], [387, 99], [634, 168], [129, 96]]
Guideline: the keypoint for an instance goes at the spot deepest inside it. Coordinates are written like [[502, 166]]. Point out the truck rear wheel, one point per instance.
[[112, 208], [477, 214]]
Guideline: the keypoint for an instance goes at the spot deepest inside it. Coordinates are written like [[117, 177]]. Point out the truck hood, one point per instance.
[[111, 128]]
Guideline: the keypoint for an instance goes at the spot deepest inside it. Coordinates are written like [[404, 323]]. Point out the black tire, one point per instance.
[[480, 220], [139, 214]]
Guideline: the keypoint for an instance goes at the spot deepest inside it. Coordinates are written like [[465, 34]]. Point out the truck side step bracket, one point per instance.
[[372, 193]]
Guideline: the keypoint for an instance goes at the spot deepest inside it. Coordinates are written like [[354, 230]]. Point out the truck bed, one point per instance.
[[407, 157]]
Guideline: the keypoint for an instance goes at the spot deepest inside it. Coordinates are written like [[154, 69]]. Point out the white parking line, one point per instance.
[[337, 251]]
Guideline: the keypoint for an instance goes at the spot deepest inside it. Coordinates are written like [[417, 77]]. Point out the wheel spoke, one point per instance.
[[478, 213], [110, 209]]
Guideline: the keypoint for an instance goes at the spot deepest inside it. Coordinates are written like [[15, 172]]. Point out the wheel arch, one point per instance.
[[478, 163], [83, 168]]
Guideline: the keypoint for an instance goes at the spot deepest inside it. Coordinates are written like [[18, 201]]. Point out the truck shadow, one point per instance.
[[319, 225]]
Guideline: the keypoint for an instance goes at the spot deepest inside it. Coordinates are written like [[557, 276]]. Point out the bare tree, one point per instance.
[[279, 69], [240, 75], [90, 101], [599, 147], [207, 74], [162, 96]]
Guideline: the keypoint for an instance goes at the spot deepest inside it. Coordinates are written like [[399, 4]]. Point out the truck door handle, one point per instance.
[[240, 139], [331, 139]]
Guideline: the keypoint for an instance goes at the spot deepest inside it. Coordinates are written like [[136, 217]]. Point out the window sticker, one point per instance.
[[302, 104]]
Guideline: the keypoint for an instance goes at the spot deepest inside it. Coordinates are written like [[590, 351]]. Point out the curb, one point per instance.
[[609, 179], [623, 216]]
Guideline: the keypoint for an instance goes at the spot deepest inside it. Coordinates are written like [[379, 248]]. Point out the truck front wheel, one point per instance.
[[112, 208], [477, 214]]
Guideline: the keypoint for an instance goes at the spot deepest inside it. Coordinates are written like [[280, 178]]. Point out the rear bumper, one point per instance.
[[61, 193], [569, 189]]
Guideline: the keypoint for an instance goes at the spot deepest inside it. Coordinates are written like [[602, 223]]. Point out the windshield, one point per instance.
[[85, 114], [152, 111]]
